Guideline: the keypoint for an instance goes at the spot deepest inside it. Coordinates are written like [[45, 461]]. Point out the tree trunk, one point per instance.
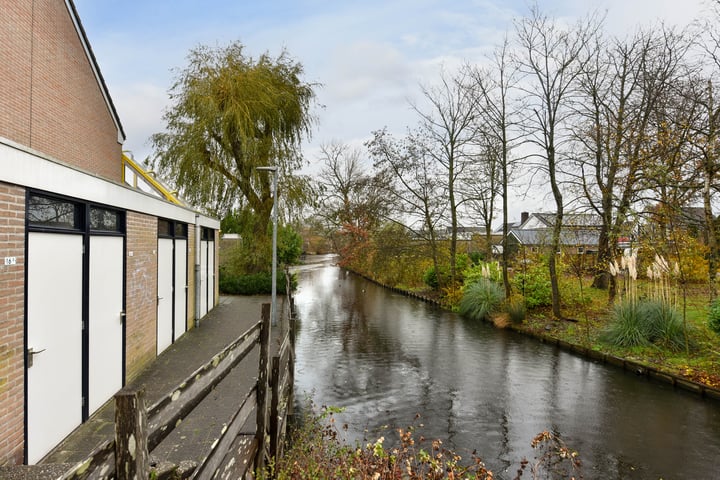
[[710, 172], [505, 256]]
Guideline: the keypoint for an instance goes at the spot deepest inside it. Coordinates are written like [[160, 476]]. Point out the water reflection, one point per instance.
[[385, 358]]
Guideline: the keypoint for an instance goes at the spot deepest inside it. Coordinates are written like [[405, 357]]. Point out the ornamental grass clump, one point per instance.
[[660, 276], [665, 325], [626, 327], [480, 299], [643, 323], [627, 268], [654, 320]]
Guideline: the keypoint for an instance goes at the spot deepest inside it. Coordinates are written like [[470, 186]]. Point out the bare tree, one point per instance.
[[448, 130], [552, 59], [417, 188], [481, 185], [707, 134], [351, 199], [622, 88], [499, 112]]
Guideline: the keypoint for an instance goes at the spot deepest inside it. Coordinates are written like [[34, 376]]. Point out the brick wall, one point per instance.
[[51, 99], [12, 315], [141, 292], [15, 70]]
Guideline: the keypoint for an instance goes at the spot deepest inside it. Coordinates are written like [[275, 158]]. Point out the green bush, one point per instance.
[[474, 272], [480, 299], [253, 284], [534, 285], [476, 257], [714, 316], [645, 322], [289, 245], [430, 278], [433, 279]]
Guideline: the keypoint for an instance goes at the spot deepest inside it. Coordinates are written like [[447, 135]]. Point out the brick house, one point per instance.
[[97, 277]]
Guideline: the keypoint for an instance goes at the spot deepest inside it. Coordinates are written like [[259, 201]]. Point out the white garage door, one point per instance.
[[165, 294], [203, 278], [211, 275], [180, 288], [54, 339], [105, 319]]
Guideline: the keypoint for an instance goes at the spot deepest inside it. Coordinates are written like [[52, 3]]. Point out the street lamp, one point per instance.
[[273, 288]]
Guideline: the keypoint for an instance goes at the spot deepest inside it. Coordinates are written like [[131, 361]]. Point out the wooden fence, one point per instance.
[[138, 430]]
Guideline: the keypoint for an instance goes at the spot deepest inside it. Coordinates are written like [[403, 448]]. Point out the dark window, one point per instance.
[[208, 234], [105, 220], [51, 212], [181, 230], [165, 228]]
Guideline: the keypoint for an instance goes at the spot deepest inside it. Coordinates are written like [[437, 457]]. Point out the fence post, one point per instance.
[[291, 357], [132, 460], [274, 407], [262, 388]]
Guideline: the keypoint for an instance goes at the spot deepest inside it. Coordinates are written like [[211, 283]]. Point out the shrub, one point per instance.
[[476, 257], [516, 310], [289, 245], [480, 299], [451, 297], [714, 316], [433, 278], [253, 284], [316, 450], [490, 270], [430, 277], [534, 285]]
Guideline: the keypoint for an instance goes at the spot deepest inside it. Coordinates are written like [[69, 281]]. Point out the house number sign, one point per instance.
[[10, 260]]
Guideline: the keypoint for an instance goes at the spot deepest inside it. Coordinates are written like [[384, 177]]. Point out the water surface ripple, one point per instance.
[[385, 358]]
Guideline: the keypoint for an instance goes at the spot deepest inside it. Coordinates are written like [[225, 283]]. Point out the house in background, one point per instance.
[[98, 274], [580, 234], [663, 221]]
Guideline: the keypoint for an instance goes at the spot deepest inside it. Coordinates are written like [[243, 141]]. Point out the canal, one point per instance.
[[384, 358]]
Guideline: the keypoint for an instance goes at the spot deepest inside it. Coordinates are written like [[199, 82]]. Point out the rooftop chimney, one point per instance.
[[523, 217]]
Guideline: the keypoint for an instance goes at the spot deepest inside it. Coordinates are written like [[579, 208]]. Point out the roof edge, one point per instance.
[[95, 67]]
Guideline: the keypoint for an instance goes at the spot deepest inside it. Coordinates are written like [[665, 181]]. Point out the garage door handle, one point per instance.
[[160, 298], [30, 354]]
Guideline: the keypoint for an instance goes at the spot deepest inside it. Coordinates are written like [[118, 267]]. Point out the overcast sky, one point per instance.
[[370, 56]]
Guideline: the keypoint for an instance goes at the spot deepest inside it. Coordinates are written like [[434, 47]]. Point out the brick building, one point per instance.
[[96, 277]]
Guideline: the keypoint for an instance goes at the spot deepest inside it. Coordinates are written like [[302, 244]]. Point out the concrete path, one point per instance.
[[192, 439]]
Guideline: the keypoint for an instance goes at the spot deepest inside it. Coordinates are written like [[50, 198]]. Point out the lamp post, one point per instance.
[[273, 288]]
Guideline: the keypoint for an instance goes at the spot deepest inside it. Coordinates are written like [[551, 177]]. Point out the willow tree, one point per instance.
[[230, 114]]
